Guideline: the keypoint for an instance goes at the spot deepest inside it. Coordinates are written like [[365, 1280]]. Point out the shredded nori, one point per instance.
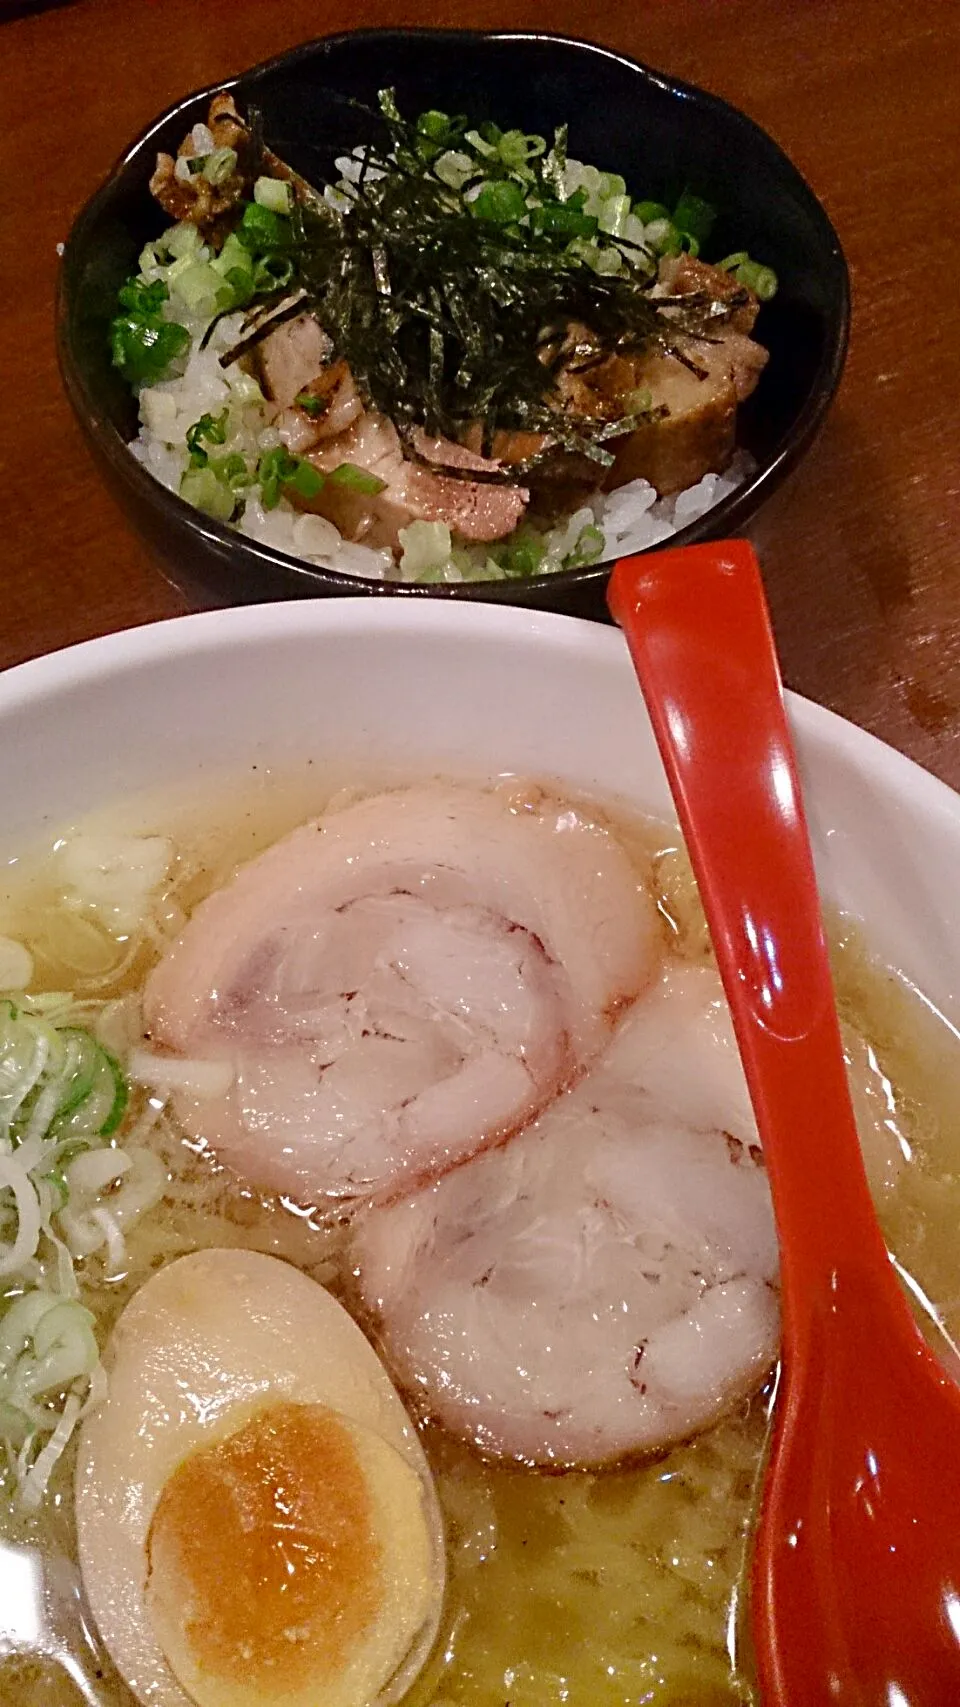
[[449, 316]]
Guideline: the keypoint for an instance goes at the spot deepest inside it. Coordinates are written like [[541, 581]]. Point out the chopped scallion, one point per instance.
[[356, 479], [261, 229], [273, 194], [694, 217], [219, 165], [315, 407], [501, 201], [201, 488], [209, 430]]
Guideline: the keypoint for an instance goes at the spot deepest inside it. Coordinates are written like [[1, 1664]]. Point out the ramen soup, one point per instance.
[[388, 1267]]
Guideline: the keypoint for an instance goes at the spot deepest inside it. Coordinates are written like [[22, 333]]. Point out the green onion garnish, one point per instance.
[[693, 217], [262, 230], [143, 344], [274, 194], [219, 165], [356, 479], [201, 488], [209, 430], [315, 407]]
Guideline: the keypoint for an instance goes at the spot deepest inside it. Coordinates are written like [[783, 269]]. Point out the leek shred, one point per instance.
[[63, 1095]]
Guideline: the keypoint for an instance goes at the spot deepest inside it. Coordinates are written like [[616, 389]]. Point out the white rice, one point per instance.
[[631, 519]]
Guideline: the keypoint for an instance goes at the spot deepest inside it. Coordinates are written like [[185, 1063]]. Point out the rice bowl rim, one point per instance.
[[727, 516]]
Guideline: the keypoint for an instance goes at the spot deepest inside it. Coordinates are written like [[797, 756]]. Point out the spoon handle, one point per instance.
[[699, 633]]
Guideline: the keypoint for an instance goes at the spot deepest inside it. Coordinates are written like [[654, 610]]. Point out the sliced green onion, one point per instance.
[[275, 466], [142, 298], [315, 407], [219, 165], [612, 185], [202, 290], [436, 132], [144, 349], [694, 217], [53, 1150], [107, 1103], [425, 546], [516, 149], [182, 240], [201, 488], [209, 430], [500, 201], [434, 125], [81, 1066], [731, 262], [306, 480], [272, 272], [356, 479], [233, 469], [261, 229], [29, 1221], [242, 286], [454, 168], [523, 556], [20, 1321], [663, 237], [274, 194], [649, 213], [761, 280], [563, 220], [278, 469], [234, 257], [64, 1347], [481, 144], [614, 215]]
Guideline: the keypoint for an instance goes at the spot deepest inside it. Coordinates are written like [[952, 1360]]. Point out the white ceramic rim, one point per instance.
[[873, 812], [203, 631]]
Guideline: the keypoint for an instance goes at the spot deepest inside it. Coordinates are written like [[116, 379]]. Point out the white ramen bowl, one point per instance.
[[411, 689]]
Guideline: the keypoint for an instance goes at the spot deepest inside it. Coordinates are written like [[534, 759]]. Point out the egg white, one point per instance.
[[203, 1345]]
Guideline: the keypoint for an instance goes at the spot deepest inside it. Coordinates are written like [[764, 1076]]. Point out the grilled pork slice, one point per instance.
[[412, 491], [296, 360], [697, 434], [290, 358]]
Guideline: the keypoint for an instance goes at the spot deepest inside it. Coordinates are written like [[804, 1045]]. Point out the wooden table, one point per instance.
[[861, 550]]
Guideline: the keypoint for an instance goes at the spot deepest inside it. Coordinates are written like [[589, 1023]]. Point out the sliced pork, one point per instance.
[[606, 1283], [688, 1003], [291, 357], [412, 490], [400, 984]]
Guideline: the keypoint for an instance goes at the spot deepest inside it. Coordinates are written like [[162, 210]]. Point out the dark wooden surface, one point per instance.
[[861, 551]]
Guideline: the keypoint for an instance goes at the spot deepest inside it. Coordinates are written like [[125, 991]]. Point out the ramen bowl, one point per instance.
[[331, 692]]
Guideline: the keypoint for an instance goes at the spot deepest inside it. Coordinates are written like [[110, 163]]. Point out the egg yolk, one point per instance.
[[263, 1552]]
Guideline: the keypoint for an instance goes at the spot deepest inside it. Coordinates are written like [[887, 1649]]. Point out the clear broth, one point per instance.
[[582, 1588]]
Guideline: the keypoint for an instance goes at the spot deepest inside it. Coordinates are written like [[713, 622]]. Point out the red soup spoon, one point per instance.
[[855, 1587]]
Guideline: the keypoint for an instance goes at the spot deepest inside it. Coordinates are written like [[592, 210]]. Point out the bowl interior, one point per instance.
[[662, 136], [388, 689]]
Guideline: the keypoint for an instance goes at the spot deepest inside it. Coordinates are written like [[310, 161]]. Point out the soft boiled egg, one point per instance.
[[257, 1522]]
